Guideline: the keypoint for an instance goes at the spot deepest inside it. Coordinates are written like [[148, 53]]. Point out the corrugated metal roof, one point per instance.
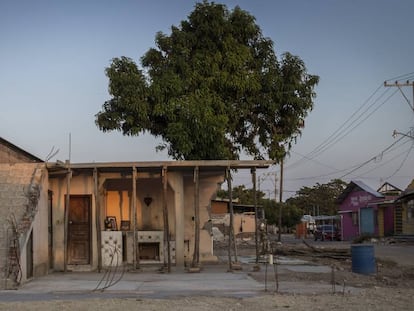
[[406, 195], [357, 184], [368, 189]]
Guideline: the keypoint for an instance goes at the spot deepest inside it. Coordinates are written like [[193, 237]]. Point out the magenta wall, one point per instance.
[[389, 220], [352, 203]]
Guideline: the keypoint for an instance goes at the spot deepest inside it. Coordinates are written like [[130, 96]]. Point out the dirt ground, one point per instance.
[[391, 288]]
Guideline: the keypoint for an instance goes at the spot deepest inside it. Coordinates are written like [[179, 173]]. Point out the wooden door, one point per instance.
[[381, 222], [79, 230]]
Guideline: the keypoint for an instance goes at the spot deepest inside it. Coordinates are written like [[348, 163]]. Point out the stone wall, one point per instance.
[[11, 154], [15, 199]]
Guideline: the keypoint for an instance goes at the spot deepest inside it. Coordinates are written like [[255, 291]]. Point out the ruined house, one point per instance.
[[86, 216]]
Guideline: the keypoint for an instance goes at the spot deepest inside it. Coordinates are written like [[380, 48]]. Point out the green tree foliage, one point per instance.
[[319, 198], [244, 196], [291, 214], [212, 89]]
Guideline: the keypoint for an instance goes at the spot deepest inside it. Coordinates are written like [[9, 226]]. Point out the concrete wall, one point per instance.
[[244, 223], [118, 203], [209, 184], [41, 232]]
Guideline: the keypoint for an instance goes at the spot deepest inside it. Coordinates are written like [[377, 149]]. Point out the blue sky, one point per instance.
[[53, 55]]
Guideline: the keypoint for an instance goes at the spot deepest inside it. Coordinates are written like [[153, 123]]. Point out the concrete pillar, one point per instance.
[[175, 179]]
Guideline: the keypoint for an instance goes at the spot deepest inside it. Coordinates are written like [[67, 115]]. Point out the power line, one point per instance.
[[371, 159], [403, 162], [386, 162], [358, 124], [329, 139], [402, 77], [342, 132], [357, 166], [313, 160]]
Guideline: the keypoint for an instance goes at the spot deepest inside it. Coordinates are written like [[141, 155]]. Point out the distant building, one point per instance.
[[359, 215], [244, 217], [365, 211], [404, 216]]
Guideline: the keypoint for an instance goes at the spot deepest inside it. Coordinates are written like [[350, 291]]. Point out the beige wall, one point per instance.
[[209, 184], [118, 205], [41, 232], [180, 197], [244, 223]]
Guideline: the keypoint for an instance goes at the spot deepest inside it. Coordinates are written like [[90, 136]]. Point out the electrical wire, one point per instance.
[[402, 163], [357, 166], [338, 134], [373, 158], [328, 140], [358, 124], [341, 132], [401, 77], [386, 162]]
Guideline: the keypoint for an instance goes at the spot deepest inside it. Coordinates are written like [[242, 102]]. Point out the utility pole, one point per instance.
[[399, 85], [280, 199]]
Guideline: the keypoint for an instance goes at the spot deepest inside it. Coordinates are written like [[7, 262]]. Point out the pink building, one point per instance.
[[358, 210]]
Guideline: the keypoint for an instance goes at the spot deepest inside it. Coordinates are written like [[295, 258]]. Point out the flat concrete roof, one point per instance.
[[211, 165]]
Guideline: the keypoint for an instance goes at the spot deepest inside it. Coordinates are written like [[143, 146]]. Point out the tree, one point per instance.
[[212, 89], [291, 214], [319, 198], [245, 196]]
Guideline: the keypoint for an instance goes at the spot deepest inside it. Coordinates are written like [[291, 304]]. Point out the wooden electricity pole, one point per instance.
[[399, 85], [280, 200]]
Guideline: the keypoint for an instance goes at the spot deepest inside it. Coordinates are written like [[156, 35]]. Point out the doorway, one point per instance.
[[50, 229], [29, 256], [79, 230]]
